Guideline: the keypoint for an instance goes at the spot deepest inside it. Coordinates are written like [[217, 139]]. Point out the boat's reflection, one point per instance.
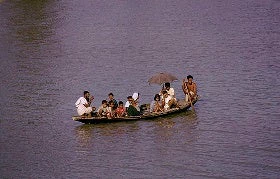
[[163, 128], [87, 132], [170, 124]]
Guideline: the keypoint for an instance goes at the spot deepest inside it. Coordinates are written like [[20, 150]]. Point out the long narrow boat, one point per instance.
[[145, 114]]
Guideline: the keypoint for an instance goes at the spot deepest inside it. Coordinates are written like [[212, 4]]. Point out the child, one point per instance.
[[156, 105], [120, 111], [112, 110], [103, 109], [111, 98]]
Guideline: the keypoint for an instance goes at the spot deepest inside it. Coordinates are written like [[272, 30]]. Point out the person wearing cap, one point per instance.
[[135, 97], [189, 88], [133, 109], [83, 105]]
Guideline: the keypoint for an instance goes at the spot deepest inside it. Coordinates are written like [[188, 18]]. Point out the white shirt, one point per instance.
[[166, 106], [127, 104], [171, 92], [80, 104], [81, 101]]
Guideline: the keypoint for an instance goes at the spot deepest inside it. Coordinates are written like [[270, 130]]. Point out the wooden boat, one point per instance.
[[145, 114]]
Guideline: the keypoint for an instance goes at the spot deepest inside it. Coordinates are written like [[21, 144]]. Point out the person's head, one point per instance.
[[111, 96], [86, 94], [111, 104], [130, 99], [190, 78], [104, 103], [167, 86], [165, 94], [157, 97], [120, 104]]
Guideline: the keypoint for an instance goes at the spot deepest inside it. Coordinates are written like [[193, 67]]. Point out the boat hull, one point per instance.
[[183, 106]]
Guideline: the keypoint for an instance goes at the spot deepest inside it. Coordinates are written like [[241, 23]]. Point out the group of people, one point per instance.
[[109, 108], [114, 109], [163, 101]]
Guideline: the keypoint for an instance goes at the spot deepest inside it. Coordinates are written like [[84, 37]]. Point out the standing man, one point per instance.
[[83, 104], [189, 88]]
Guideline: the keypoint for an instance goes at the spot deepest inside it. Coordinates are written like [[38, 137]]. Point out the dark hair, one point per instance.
[[111, 102], [129, 97], [86, 92], [167, 84], [110, 94], [157, 96], [164, 92], [120, 102], [104, 101], [189, 76]]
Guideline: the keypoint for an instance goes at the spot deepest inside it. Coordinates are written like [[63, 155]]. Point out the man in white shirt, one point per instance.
[[128, 102], [169, 90], [165, 100], [168, 102], [83, 105]]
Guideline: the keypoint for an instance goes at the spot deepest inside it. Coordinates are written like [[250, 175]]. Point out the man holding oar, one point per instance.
[[189, 88]]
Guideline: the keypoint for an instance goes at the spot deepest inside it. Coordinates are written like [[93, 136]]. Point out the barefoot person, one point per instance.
[[120, 111], [103, 110], [169, 90], [189, 88], [83, 105], [156, 105], [133, 109], [112, 98], [168, 102]]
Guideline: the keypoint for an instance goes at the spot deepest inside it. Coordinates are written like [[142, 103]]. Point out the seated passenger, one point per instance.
[[111, 98], [168, 102], [156, 105], [83, 105], [128, 102], [112, 110], [103, 110], [135, 98], [133, 109], [169, 90], [120, 111]]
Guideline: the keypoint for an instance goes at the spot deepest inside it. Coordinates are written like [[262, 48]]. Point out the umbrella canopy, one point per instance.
[[161, 78]]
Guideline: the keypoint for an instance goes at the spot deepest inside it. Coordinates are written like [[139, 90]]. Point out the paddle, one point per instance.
[[191, 101]]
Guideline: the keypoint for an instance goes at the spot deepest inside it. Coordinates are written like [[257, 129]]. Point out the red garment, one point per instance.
[[120, 111]]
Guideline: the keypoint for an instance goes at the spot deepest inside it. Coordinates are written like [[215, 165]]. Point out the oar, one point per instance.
[[191, 101]]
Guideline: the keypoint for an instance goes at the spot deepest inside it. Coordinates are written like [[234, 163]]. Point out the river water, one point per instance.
[[51, 51]]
